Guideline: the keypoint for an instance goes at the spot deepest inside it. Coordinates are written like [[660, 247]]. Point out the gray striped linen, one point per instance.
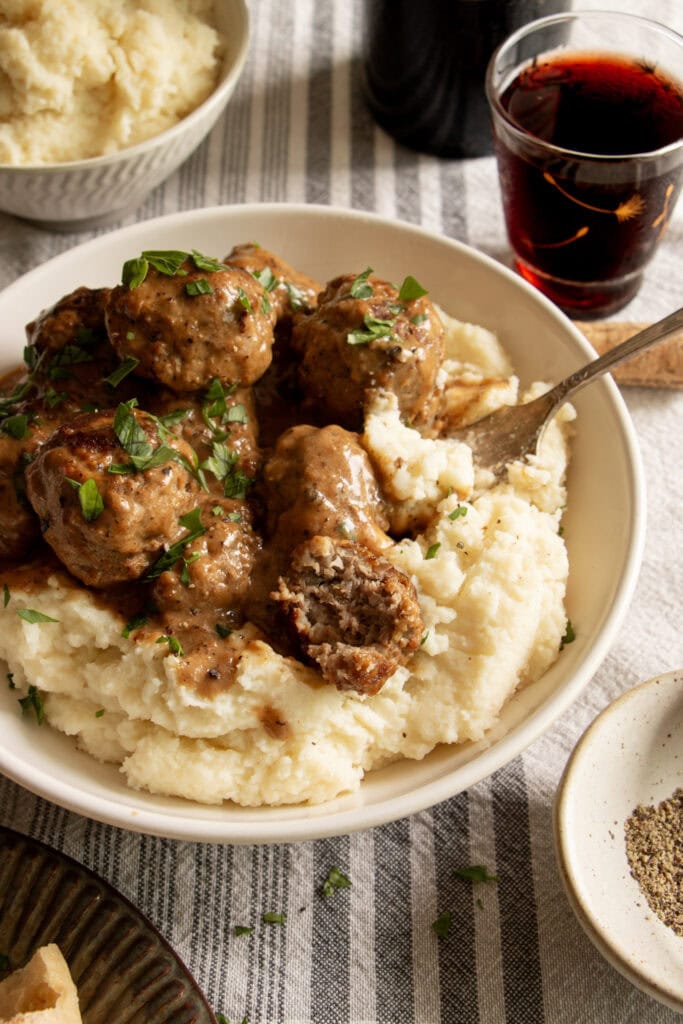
[[297, 130]]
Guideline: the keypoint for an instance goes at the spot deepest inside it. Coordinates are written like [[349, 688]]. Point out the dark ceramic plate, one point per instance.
[[125, 972]]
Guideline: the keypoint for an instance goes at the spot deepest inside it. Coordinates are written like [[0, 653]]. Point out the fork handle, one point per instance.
[[641, 341]]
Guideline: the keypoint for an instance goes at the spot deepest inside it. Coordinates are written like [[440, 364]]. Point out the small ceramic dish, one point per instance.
[[631, 755], [83, 194]]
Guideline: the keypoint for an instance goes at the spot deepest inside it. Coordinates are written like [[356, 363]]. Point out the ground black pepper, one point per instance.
[[654, 847]]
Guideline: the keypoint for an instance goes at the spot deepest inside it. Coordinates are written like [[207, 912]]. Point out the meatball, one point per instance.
[[19, 527], [289, 291], [107, 517], [71, 357], [352, 611], [190, 327], [350, 343], [214, 570], [320, 481], [219, 413]]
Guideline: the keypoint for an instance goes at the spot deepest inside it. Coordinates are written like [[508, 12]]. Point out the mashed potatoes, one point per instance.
[[83, 78], [490, 569]]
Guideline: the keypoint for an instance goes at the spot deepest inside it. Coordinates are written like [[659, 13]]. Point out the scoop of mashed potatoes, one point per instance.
[[83, 78], [490, 570]]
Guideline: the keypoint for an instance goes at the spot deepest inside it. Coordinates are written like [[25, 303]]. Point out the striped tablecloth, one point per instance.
[[298, 130]]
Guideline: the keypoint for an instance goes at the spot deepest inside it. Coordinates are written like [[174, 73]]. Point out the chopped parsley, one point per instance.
[[207, 263], [270, 917], [244, 300], [475, 873], [335, 880], [371, 330], [174, 644], [198, 287], [425, 638], [419, 319], [7, 597], [135, 623], [361, 287], [165, 261], [168, 262], [443, 924], [185, 572], [432, 551], [296, 297], [223, 631], [99, 713], [33, 702], [31, 615], [15, 426], [461, 510], [193, 524], [89, 497], [411, 289], [569, 635], [121, 371], [223, 464], [134, 272], [242, 929], [268, 281], [133, 439]]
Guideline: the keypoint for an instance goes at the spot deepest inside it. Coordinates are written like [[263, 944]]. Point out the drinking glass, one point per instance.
[[587, 115]]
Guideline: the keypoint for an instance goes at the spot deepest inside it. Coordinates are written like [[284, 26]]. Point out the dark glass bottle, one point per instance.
[[424, 65]]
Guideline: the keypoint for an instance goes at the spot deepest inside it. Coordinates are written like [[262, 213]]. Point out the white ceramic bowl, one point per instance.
[[604, 524], [632, 754], [82, 194]]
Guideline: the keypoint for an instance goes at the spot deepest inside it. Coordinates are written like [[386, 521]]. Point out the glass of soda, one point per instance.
[[587, 113]]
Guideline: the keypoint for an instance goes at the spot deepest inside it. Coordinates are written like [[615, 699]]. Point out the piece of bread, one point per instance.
[[42, 992]]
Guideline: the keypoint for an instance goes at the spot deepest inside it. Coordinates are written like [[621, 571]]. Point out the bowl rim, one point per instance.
[[502, 750], [577, 896], [229, 76]]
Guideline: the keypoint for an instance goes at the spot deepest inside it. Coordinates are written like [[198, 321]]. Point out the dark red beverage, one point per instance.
[[583, 227]]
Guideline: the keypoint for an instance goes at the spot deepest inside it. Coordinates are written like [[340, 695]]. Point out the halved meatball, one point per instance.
[[289, 291], [189, 327], [117, 527], [350, 344], [352, 611], [319, 481]]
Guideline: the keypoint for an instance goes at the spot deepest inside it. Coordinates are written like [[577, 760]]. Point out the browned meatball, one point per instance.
[[219, 415], [71, 358], [289, 291], [139, 510], [320, 481], [214, 571], [19, 525], [350, 344], [21, 434], [353, 612], [184, 339]]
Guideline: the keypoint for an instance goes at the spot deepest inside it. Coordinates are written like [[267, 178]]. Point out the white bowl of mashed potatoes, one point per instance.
[[520, 585], [101, 101]]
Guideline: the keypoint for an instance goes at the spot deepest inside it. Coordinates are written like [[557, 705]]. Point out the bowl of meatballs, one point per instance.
[[256, 588]]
